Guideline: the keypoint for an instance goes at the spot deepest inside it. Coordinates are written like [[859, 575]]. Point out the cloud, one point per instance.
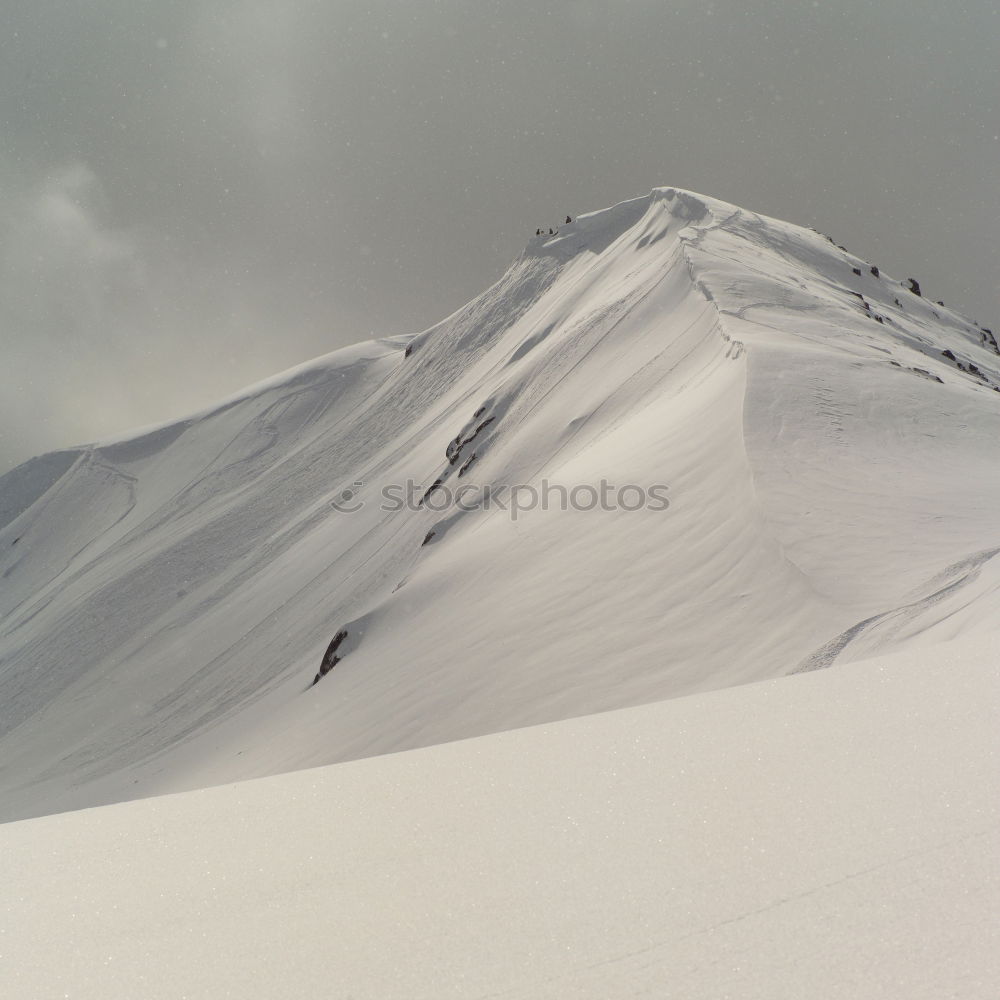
[[67, 280], [62, 266], [105, 328]]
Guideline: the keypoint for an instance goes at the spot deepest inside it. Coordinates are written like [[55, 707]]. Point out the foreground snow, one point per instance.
[[827, 440], [829, 835]]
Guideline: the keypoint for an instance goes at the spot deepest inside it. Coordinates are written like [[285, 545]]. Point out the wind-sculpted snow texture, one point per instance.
[[827, 438]]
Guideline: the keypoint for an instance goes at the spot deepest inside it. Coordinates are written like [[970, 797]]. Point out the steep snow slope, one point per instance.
[[833, 482], [804, 837]]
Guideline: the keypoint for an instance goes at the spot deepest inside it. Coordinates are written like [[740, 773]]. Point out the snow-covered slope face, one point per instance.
[[799, 465], [803, 837]]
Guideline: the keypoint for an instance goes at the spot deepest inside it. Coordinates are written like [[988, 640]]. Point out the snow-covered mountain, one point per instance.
[[800, 466]]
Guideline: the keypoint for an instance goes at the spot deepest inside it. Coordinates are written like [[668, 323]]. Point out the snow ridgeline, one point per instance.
[[168, 598]]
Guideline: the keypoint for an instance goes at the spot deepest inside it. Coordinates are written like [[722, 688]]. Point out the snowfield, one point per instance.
[[831, 835], [335, 615]]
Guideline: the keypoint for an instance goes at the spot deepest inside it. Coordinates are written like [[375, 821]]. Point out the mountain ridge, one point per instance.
[[170, 597]]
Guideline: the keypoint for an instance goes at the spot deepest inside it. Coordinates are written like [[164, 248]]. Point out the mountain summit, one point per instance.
[[677, 447]]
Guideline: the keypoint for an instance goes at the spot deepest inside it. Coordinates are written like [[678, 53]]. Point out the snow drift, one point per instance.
[[831, 835], [825, 440]]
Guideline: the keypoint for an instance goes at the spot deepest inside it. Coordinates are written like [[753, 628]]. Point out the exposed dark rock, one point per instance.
[[913, 285], [927, 374], [898, 303], [939, 302], [479, 413], [875, 270], [465, 468], [427, 538], [409, 350], [437, 483], [868, 310], [990, 341], [330, 658], [949, 355], [857, 271]]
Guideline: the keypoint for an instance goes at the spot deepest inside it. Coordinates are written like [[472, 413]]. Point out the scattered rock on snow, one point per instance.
[[454, 450]]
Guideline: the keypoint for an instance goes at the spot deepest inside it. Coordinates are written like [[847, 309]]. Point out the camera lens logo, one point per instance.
[[348, 501]]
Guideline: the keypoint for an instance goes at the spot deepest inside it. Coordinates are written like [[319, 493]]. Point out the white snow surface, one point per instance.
[[834, 494], [829, 835]]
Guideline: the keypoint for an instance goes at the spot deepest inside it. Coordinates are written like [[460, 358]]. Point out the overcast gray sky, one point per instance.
[[195, 194]]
